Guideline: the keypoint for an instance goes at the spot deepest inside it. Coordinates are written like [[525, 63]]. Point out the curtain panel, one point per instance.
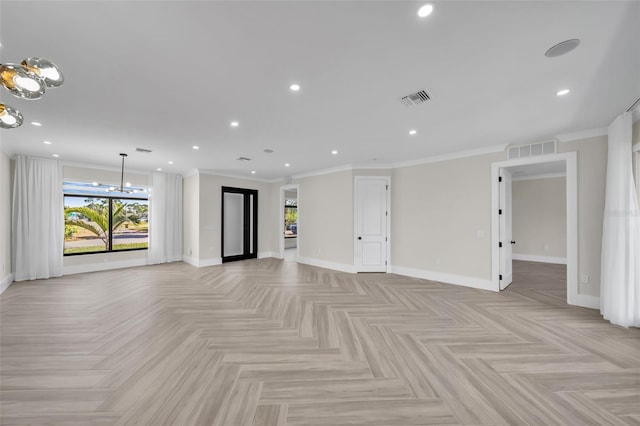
[[620, 280], [165, 218], [38, 218]]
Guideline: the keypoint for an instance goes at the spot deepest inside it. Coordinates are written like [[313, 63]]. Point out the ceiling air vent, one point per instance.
[[243, 159], [416, 98], [146, 151]]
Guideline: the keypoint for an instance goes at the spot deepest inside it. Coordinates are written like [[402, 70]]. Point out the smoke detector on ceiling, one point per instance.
[[416, 98]]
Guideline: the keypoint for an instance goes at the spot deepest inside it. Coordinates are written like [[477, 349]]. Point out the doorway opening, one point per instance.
[[239, 226], [289, 226], [558, 249]]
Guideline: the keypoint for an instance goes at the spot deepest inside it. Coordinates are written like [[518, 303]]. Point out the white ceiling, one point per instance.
[[167, 75]]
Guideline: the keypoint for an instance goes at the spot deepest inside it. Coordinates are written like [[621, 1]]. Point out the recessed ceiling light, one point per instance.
[[128, 184], [196, 147], [294, 87], [159, 169], [56, 155], [46, 142], [234, 124], [562, 92], [334, 152], [170, 162], [253, 172], [413, 132], [287, 164], [95, 184], [562, 48], [35, 123], [425, 10]]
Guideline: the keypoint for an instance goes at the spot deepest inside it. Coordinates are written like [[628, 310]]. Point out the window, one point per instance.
[[290, 218], [98, 223]]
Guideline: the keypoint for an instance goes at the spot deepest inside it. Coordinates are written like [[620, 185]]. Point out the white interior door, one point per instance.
[[371, 223], [505, 238]]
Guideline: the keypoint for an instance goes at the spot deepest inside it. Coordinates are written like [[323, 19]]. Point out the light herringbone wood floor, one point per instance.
[[267, 342]]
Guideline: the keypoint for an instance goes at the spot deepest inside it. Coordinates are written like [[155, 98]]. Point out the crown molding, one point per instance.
[[583, 134], [324, 171], [231, 175], [453, 156]]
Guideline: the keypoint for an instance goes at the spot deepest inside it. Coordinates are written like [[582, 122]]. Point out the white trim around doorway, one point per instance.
[[281, 221], [570, 159]]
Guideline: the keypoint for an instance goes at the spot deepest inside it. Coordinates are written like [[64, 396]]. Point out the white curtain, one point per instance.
[[620, 281], [38, 219], [165, 218]]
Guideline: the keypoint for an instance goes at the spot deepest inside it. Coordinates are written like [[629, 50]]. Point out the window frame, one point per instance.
[[110, 199]]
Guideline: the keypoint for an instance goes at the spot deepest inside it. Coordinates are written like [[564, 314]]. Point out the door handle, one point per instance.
[[359, 238], [513, 242]]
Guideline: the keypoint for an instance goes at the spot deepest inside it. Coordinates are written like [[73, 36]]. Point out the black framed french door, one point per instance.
[[239, 224]]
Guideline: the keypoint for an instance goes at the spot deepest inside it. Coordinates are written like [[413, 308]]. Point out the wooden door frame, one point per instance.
[[356, 179], [247, 214]]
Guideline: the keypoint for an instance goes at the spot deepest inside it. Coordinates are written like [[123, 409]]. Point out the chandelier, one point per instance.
[[27, 80], [121, 189]]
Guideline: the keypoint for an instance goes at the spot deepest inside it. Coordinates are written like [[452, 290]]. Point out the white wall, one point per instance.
[[6, 276], [539, 208], [102, 261]]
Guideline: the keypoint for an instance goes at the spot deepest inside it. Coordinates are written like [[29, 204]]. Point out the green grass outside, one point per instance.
[[100, 248]]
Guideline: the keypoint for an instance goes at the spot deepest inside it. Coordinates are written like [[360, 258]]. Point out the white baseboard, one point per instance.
[[200, 263], [5, 283], [210, 262], [263, 254], [444, 278], [102, 266], [587, 301], [190, 260], [536, 258], [326, 264]]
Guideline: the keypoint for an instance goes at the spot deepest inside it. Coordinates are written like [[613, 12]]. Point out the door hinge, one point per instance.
[[500, 277], [499, 211], [385, 263], [499, 178], [386, 187], [499, 244], [386, 213], [385, 238]]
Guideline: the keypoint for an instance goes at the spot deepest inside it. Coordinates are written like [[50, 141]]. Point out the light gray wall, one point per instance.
[[210, 195], [540, 217], [5, 217], [325, 209], [191, 217], [438, 209], [592, 165]]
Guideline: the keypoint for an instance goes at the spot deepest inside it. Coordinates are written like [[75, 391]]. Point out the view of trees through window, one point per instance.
[[102, 224], [290, 218]]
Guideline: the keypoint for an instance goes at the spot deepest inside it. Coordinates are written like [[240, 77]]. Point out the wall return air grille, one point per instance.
[[532, 150]]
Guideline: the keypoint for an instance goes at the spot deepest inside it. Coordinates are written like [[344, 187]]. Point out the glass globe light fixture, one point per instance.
[[21, 82], [47, 70], [10, 118]]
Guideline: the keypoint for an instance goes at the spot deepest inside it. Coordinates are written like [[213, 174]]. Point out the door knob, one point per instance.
[[513, 242], [359, 238]]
